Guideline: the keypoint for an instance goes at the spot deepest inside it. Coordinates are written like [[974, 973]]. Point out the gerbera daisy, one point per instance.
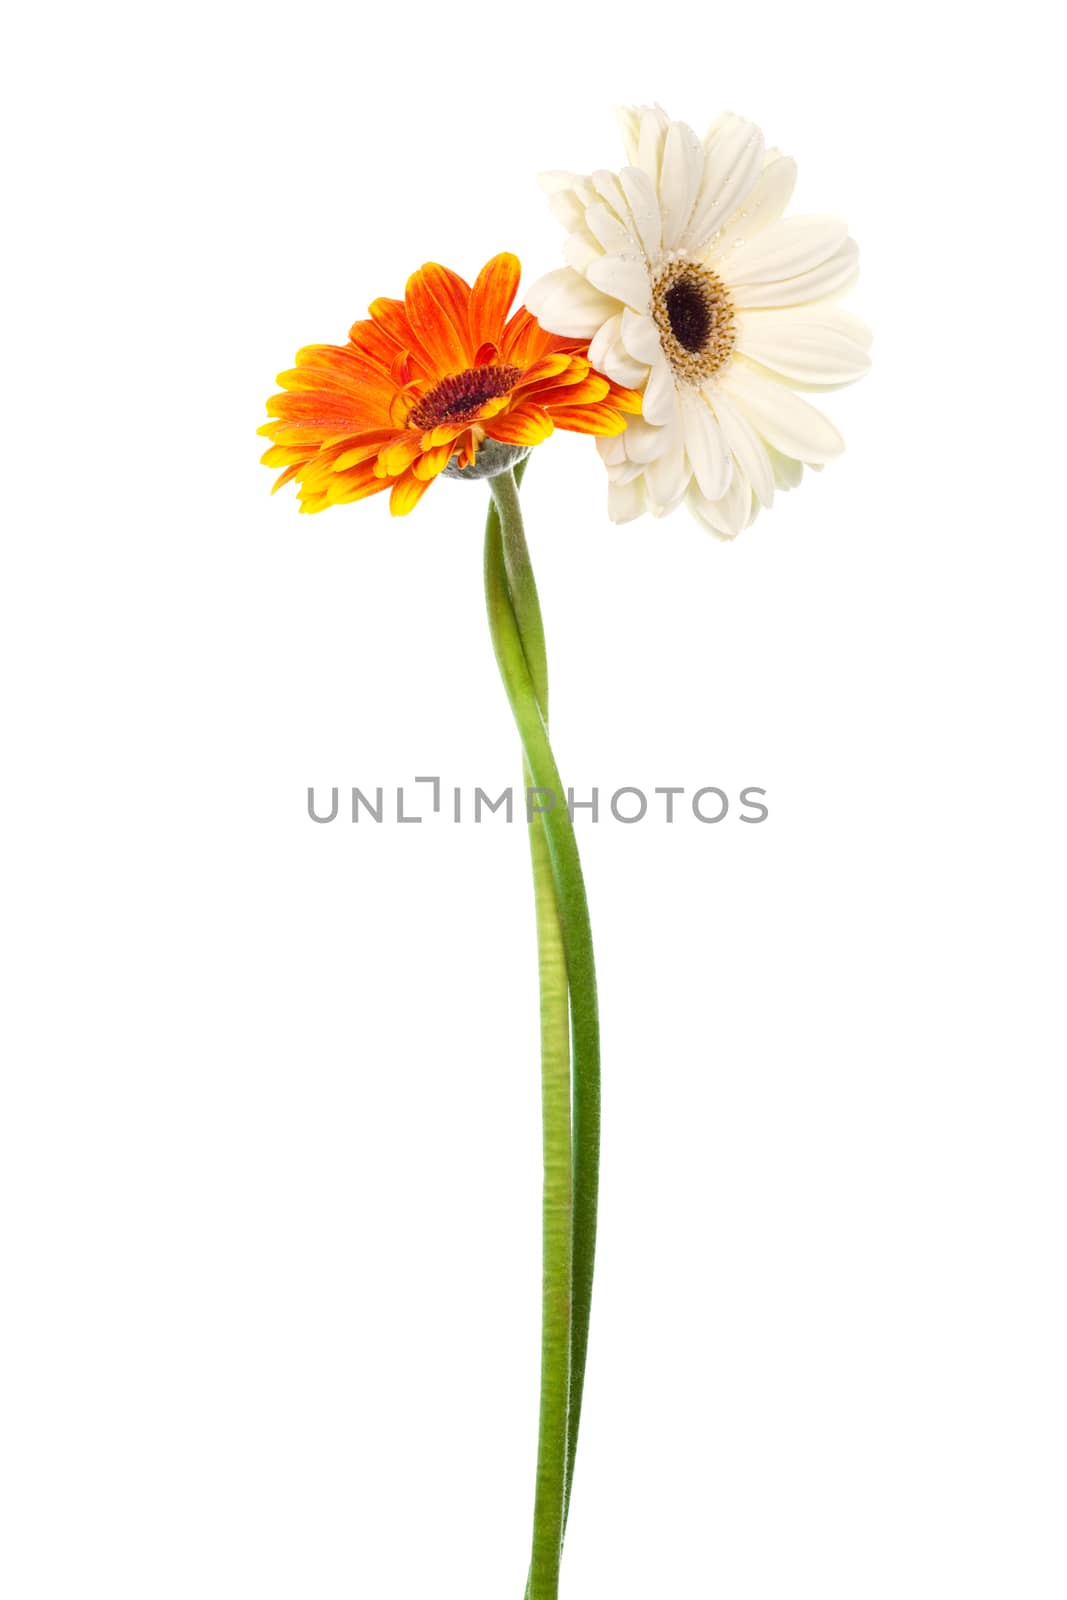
[[442, 376], [693, 289]]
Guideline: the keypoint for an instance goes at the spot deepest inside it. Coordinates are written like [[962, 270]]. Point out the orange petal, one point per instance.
[[603, 420], [445, 432], [628, 400], [552, 367], [339, 373], [281, 456], [588, 391], [468, 448], [391, 318], [403, 400], [330, 410], [363, 449], [396, 457], [318, 473], [494, 289], [407, 492], [339, 357], [375, 343], [525, 340], [348, 488], [431, 462], [436, 302], [489, 408], [340, 489], [528, 426], [305, 377], [300, 435], [283, 478]]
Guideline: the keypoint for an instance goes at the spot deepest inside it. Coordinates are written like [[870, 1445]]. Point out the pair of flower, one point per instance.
[[688, 316]]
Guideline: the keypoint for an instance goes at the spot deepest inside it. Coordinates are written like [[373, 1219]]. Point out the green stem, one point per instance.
[[522, 587], [518, 638], [557, 1212]]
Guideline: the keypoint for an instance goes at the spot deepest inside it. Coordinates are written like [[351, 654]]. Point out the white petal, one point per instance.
[[567, 209], [733, 160], [786, 421], [657, 402], [736, 508], [668, 476], [611, 449], [643, 441], [787, 472], [806, 347], [706, 523], [651, 135], [704, 514], [621, 366], [625, 278], [607, 187], [626, 473], [832, 278], [643, 203], [567, 191], [610, 233], [705, 446], [626, 500], [836, 317], [728, 515], [542, 289], [745, 444], [555, 181], [603, 340], [629, 119], [566, 303], [641, 337], [787, 248], [580, 251], [769, 197], [679, 183]]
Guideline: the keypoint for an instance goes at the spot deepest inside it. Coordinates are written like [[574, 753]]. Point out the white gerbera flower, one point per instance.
[[692, 288]]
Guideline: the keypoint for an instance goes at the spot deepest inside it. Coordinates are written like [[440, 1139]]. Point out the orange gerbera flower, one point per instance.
[[427, 380]]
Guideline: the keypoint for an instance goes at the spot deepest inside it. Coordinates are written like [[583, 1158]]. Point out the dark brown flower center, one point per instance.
[[461, 394], [689, 314], [695, 318]]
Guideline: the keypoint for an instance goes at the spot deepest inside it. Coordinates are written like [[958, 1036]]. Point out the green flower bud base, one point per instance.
[[492, 459]]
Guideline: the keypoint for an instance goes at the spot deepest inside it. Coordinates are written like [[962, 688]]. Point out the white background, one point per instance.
[[270, 1156]]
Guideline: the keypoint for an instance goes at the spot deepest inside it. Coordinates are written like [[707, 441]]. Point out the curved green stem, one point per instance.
[[518, 639], [557, 1211], [521, 584]]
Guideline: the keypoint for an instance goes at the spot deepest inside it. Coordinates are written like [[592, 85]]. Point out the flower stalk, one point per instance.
[[571, 1111]]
